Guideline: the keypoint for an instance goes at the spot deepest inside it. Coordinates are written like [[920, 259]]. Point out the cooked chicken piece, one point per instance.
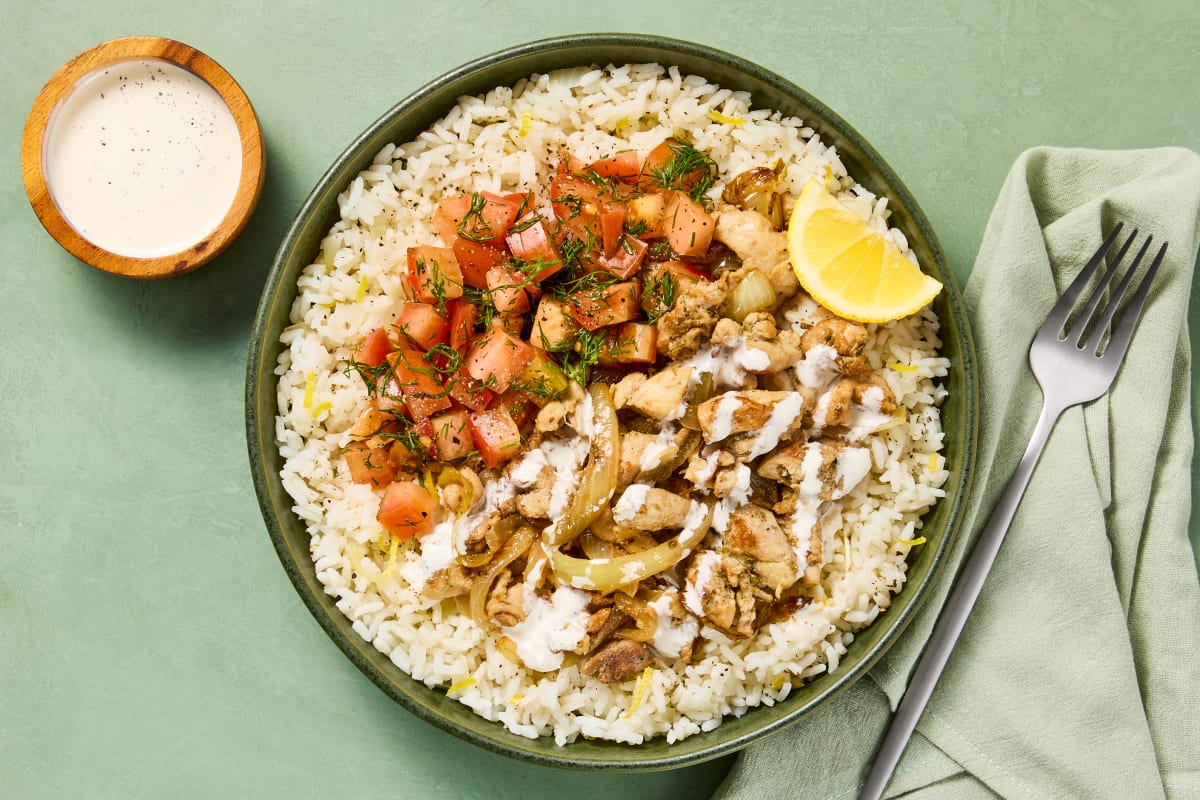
[[755, 532], [848, 339], [633, 447], [505, 603], [449, 581], [535, 504], [604, 528], [617, 661], [742, 411], [730, 480], [661, 395], [759, 325], [759, 245], [720, 591], [600, 626], [837, 407], [690, 322], [645, 508], [553, 415], [477, 537], [826, 469], [624, 388]]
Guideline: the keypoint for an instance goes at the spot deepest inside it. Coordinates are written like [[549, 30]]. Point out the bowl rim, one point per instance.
[[274, 501]]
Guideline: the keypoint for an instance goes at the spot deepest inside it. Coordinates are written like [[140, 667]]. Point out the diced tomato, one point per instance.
[[408, 509], [519, 404], [368, 464], [506, 290], [434, 274], [622, 166], [646, 215], [574, 198], [481, 217], [662, 159], [463, 316], [470, 393], [422, 324], [415, 378], [513, 324], [531, 243], [552, 326], [496, 358], [452, 435], [496, 435], [689, 227], [612, 226], [596, 308], [474, 260], [374, 348], [630, 343], [628, 257]]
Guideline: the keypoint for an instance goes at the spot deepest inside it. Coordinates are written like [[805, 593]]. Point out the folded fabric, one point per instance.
[[1078, 674]]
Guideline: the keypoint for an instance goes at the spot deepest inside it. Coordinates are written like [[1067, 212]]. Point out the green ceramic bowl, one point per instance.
[[402, 123]]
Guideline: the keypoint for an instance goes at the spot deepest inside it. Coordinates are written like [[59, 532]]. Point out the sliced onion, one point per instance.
[[599, 478], [606, 575], [703, 390], [673, 459], [753, 292], [643, 616], [516, 545]]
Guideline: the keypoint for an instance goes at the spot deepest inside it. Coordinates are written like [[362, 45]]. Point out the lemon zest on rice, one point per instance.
[[516, 699], [912, 542], [526, 122], [828, 176], [391, 559], [896, 365], [458, 686], [932, 463], [316, 412], [310, 388], [777, 684], [725, 119], [362, 290], [639, 691]]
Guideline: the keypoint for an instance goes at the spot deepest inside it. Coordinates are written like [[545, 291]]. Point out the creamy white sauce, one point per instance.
[[783, 414], [853, 464], [565, 459], [632, 500], [751, 359], [670, 639], [810, 466], [550, 628], [818, 368], [437, 548], [723, 422], [804, 519], [693, 595], [143, 158], [706, 473], [652, 455]]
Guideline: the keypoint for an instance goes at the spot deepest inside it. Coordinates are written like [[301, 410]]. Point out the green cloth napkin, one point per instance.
[[1078, 674]]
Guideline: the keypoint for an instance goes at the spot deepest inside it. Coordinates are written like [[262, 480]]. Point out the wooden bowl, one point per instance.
[[40, 190]]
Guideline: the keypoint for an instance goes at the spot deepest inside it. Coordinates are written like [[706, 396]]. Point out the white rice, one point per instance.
[[354, 285]]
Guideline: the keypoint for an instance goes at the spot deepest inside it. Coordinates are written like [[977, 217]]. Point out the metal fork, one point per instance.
[[1071, 366]]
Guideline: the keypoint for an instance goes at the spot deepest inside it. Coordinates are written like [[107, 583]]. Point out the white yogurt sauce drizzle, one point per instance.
[[143, 158]]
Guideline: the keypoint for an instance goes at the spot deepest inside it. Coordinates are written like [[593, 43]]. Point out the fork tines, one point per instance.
[[1089, 328]]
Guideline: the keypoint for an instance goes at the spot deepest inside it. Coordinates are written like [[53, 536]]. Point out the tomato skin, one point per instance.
[[434, 274], [496, 435], [408, 510], [532, 244], [622, 166], [463, 316], [492, 218], [646, 212], [689, 227], [374, 349], [596, 308], [612, 226], [474, 260], [414, 377], [497, 358], [630, 343], [422, 325], [470, 393]]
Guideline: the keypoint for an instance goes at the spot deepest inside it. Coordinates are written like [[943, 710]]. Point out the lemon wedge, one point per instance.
[[848, 267]]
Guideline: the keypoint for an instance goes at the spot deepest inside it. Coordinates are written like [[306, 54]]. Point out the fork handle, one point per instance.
[[956, 610]]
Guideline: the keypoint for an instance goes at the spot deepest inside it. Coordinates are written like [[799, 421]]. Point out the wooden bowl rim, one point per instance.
[[132, 48]]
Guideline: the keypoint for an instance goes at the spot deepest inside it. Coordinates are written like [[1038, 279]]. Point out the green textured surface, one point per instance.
[[150, 644]]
